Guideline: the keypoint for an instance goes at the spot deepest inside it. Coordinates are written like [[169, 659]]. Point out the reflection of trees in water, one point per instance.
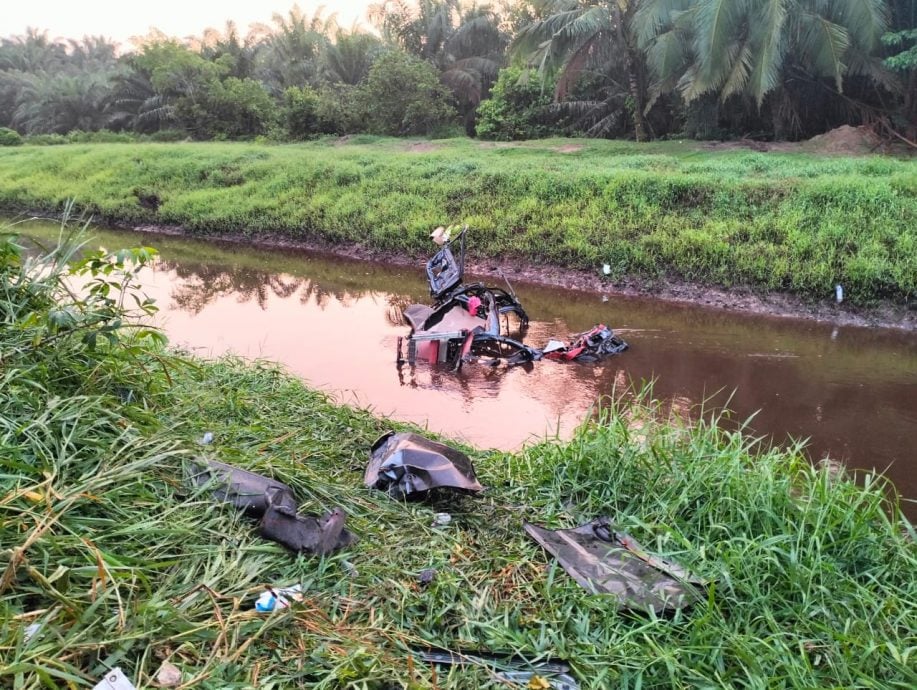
[[394, 312], [202, 284]]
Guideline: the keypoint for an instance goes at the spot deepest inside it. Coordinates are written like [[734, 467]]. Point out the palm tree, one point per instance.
[[92, 54], [347, 58], [236, 54], [757, 48], [32, 52], [571, 37], [464, 41], [62, 103], [136, 105], [290, 51]]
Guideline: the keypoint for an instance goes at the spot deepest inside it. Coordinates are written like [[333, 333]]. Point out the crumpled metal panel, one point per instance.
[[275, 503], [243, 489], [407, 466], [605, 561], [304, 533]]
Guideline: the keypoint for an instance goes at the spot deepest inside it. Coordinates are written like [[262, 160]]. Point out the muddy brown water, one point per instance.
[[852, 392]]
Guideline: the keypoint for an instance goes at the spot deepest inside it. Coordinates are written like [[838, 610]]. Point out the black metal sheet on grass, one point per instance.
[[306, 533], [408, 466], [243, 489], [605, 561], [275, 503]]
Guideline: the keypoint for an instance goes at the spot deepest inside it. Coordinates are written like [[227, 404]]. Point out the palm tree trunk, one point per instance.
[[910, 106], [637, 95], [631, 58]]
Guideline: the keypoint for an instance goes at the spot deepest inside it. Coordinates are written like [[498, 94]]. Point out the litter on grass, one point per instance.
[[305, 533], [168, 675], [278, 598], [409, 466], [442, 520], [114, 680], [245, 490], [512, 670], [605, 561]]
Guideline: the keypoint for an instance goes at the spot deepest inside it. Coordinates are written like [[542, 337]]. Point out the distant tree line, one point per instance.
[[644, 69]]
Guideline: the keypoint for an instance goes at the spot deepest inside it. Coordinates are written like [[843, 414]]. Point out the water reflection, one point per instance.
[[852, 391]]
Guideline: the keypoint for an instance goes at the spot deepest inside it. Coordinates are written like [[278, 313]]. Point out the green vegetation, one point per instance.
[[796, 223], [643, 69], [9, 137], [402, 96], [515, 109], [119, 563]]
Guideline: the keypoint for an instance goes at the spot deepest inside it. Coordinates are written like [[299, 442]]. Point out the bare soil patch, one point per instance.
[[421, 146], [844, 140]]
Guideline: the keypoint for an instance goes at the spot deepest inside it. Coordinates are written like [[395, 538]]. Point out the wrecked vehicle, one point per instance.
[[408, 466], [465, 320], [605, 561], [275, 504], [473, 320], [590, 346]]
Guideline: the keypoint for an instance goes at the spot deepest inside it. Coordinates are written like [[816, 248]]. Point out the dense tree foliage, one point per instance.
[[518, 108], [639, 69]]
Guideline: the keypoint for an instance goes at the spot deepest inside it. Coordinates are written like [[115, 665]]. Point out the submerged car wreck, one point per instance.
[[474, 321]]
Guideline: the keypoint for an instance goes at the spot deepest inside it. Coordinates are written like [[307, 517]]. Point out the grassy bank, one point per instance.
[[791, 222], [121, 564]]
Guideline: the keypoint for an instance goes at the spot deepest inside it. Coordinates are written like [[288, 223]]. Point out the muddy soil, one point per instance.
[[844, 140], [736, 299]]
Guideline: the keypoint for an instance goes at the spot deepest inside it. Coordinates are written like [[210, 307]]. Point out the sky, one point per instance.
[[122, 19]]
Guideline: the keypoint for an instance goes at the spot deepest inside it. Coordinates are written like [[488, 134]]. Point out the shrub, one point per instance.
[[229, 109], [298, 114], [402, 95], [516, 108], [168, 135], [340, 110], [103, 136], [9, 137], [47, 139]]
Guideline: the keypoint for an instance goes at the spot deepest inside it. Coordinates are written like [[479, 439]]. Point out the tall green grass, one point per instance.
[[791, 222], [814, 578]]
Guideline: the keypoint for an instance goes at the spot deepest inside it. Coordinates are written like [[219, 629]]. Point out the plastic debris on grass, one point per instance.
[[605, 561]]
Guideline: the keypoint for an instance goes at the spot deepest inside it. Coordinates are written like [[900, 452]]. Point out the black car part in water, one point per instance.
[[605, 561], [275, 504], [445, 274], [409, 466]]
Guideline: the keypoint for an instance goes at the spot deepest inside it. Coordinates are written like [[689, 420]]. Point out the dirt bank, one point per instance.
[[738, 299]]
